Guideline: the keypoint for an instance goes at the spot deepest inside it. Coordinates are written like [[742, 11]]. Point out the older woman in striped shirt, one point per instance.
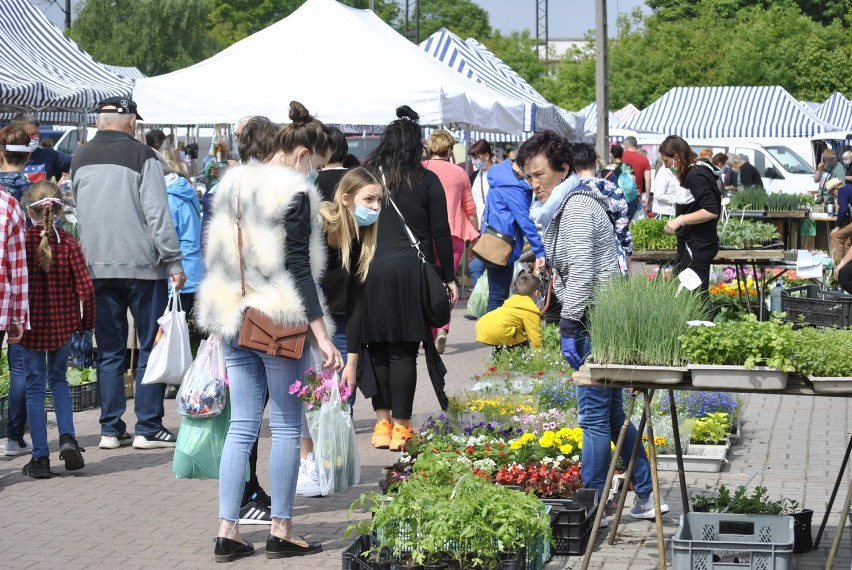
[[582, 251]]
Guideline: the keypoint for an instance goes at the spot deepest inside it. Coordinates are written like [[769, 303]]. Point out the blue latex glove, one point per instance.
[[569, 351]]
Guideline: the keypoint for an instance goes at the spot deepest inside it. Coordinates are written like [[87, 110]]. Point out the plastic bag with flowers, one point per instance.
[[202, 393], [330, 423]]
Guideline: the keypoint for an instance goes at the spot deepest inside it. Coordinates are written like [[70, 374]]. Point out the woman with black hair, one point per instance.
[[697, 206], [394, 325]]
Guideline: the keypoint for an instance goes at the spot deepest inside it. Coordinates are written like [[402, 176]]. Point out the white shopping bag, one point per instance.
[[171, 356]]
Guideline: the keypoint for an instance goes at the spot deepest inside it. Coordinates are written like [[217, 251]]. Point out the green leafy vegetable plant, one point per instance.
[[823, 352], [745, 233], [747, 342], [75, 376], [778, 201], [750, 198], [711, 429], [740, 502], [649, 234], [639, 321]]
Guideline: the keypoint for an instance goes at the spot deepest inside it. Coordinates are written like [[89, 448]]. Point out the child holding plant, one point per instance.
[[518, 322], [58, 282]]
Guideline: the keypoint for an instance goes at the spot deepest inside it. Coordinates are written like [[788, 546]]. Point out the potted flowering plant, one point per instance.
[[548, 478]]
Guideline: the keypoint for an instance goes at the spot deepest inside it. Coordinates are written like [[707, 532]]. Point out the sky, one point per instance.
[[566, 18]]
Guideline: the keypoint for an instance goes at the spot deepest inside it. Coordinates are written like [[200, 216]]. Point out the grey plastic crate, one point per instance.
[[706, 541]]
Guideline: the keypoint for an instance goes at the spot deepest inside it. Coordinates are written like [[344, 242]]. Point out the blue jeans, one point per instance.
[[633, 206], [251, 374], [146, 300], [476, 267], [601, 415], [499, 286], [16, 425], [47, 367]]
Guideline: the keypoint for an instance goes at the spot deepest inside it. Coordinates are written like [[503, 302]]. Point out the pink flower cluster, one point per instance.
[[317, 387]]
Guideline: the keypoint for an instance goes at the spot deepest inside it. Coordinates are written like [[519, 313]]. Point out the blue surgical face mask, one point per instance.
[[365, 216], [477, 164], [312, 175]]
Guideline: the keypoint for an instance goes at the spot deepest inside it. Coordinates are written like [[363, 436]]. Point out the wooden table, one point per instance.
[[796, 386]]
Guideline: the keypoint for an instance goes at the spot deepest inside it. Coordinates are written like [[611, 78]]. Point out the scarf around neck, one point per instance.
[[542, 214]]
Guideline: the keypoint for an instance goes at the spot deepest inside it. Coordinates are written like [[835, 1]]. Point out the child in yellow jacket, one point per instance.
[[518, 321]]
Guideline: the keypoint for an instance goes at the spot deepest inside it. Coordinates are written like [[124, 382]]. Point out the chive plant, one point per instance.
[[638, 321]]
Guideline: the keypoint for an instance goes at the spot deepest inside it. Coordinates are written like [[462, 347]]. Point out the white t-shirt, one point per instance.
[[666, 187], [480, 193]]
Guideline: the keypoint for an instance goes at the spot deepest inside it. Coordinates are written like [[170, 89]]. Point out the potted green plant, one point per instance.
[[635, 327], [649, 235], [741, 353], [825, 357]]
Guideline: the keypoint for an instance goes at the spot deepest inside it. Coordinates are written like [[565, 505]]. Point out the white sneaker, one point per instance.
[[441, 341], [308, 483], [114, 442], [16, 447], [644, 508], [604, 522]]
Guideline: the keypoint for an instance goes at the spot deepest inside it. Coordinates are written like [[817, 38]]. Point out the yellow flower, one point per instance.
[[547, 440], [660, 441], [566, 449]]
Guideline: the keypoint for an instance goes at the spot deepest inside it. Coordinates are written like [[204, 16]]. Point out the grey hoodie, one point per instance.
[[126, 228]]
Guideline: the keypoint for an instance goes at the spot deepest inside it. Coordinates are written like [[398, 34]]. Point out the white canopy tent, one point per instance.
[[345, 65]]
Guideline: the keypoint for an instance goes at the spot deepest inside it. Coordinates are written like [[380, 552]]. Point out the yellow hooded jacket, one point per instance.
[[518, 320]]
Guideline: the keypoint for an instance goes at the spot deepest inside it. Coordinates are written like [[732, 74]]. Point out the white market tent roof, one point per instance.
[[837, 111], [345, 65], [728, 112], [42, 70], [473, 60], [627, 112], [126, 72]]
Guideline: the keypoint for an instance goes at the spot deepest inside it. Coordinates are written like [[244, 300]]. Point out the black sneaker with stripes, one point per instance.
[[255, 512], [163, 438]]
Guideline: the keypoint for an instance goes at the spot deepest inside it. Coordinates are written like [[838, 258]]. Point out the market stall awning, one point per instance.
[[41, 69], [473, 60], [590, 113], [728, 112], [837, 111]]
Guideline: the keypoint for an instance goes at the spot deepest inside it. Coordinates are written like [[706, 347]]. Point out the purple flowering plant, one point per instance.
[[316, 388]]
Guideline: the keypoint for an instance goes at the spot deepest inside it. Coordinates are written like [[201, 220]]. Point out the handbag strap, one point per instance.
[[240, 244], [414, 243]]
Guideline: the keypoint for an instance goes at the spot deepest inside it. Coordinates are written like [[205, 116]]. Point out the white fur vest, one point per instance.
[[266, 192]]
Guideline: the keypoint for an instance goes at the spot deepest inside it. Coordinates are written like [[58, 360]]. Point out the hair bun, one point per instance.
[[299, 113], [406, 112]]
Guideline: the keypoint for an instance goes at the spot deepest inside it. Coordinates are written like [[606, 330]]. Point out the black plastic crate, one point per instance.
[[83, 397], [809, 305], [571, 521]]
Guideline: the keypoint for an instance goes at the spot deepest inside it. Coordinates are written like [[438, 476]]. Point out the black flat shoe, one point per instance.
[[228, 550], [280, 548]]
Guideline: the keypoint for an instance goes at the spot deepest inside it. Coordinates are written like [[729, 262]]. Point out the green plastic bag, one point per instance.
[[808, 228], [477, 305], [199, 445]]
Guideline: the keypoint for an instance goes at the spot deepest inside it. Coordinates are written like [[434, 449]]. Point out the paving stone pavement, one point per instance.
[[126, 510]]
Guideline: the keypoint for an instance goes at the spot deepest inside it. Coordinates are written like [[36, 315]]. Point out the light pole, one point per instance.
[[602, 80]]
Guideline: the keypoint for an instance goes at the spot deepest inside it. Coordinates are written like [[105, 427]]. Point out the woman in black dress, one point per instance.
[[698, 204], [394, 325]]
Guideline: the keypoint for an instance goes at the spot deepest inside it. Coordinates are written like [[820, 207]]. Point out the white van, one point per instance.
[[781, 168], [203, 136]]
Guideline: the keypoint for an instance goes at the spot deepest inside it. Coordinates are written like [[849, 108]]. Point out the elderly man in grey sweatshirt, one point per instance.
[[131, 248]]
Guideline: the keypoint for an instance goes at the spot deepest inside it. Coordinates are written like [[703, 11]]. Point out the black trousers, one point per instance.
[[845, 278], [396, 375]]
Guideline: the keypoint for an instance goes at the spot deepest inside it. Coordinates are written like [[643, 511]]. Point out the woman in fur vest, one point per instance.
[[284, 255]]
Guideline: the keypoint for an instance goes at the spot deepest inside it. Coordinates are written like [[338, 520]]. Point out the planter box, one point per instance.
[[83, 397], [832, 384], [698, 459], [639, 374], [715, 540], [4, 414], [737, 377], [734, 438]]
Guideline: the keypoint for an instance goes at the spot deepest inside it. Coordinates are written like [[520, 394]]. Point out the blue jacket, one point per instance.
[[507, 209], [844, 203], [186, 214]]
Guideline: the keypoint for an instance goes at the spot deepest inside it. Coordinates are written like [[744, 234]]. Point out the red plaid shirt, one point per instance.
[[13, 296], [55, 297]]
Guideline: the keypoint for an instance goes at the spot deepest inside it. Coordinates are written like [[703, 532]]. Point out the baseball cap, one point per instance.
[[123, 106]]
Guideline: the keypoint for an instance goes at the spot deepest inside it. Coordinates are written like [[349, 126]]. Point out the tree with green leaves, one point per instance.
[[157, 36], [462, 17], [519, 51]]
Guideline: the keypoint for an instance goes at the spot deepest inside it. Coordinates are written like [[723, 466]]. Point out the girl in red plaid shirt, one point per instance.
[[58, 281]]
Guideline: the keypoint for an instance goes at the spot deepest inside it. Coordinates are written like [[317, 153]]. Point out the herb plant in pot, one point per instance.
[[742, 353], [825, 357], [635, 327]]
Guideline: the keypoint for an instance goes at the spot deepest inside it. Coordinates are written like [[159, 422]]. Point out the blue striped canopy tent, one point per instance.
[[837, 110], [728, 112], [590, 114], [42, 70], [125, 72], [476, 62]]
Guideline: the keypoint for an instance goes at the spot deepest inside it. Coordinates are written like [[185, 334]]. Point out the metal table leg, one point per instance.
[[681, 472], [833, 493]]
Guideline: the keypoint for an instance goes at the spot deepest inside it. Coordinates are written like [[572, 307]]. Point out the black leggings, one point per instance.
[[845, 278], [397, 361]]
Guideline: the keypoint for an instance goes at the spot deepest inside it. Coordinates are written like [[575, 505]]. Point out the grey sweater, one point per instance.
[[126, 227]]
